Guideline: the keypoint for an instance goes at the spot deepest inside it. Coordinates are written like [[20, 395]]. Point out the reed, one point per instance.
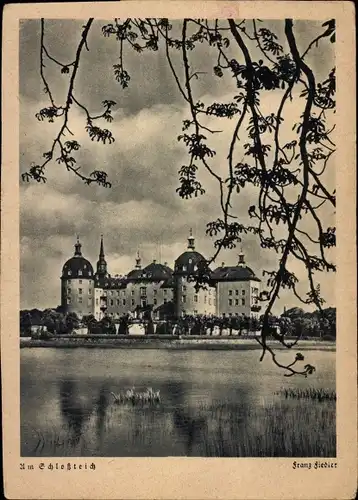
[[309, 393], [137, 397]]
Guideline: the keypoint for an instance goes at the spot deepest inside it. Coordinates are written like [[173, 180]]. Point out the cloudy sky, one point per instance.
[[141, 210]]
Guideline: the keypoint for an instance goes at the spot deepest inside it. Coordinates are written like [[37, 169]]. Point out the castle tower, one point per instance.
[[101, 263], [77, 284], [188, 300]]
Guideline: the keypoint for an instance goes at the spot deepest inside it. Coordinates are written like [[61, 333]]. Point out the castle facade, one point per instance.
[[165, 292]]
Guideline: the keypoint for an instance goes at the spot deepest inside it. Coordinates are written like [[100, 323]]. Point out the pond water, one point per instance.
[[212, 403]]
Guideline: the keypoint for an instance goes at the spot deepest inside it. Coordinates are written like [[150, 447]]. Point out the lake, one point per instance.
[[212, 403]]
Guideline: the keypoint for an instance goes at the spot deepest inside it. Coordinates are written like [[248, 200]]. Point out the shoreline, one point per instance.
[[169, 343]]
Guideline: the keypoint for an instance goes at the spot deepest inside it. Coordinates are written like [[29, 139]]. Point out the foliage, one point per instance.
[[289, 174]]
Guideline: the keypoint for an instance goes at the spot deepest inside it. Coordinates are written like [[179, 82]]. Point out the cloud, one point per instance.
[[142, 209]]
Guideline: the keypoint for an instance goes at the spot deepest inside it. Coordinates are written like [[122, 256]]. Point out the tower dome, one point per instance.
[[190, 261], [77, 266]]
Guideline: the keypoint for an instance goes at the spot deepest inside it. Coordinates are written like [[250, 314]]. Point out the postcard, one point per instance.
[[178, 271]]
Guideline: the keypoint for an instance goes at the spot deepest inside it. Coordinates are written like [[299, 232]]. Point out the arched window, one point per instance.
[[80, 272], [184, 268], [69, 272]]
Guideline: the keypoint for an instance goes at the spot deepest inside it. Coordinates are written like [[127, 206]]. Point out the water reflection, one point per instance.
[[73, 413], [201, 412]]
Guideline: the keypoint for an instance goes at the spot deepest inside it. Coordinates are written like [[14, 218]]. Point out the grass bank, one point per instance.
[[165, 342]]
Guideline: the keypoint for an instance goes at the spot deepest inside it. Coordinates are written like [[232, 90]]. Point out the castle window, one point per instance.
[[190, 261], [184, 268], [195, 311], [124, 302], [118, 293], [112, 302], [117, 302], [85, 266], [184, 288], [89, 273], [165, 291], [242, 292], [133, 302], [69, 300], [89, 292], [230, 302], [132, 293], [155, 302], [80, 300], [96, 302], [90, 282], [209, 302], [183, 299], [143, 290], [230, 292], [236, 302], [165, 301], [69, 272], [209, 291], [68, 290], [80, 291], [205, 299], [79, 272], [242, 302], [80, 281], [236, 292], [195, 268], [195, 298]]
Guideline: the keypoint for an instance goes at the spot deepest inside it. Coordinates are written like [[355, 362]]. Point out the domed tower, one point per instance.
[[237, 289], [186, 299], [77, 284]]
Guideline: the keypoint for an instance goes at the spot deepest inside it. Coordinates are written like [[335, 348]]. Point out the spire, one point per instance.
[[101, 263], [78, 246], [101, 251], [138, 264], [241, 258], [191, 240]]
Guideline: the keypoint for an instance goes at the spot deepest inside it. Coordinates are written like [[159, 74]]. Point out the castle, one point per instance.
[[167, 293]]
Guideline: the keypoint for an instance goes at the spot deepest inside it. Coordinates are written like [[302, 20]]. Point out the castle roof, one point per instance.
[[77, 266], [234, 273]]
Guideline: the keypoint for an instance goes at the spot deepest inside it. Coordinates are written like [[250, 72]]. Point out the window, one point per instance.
[[132, 293], [209, 291], [165, 300], [68, 290], [195, 298], [143, 291], [143, 303], [230, 292], [89, 292], [117, 302], [80, 291], [69, 272], [96, 302], [154, 292], [124, 302], [184, 288], [190, 261], [80, 300], [242, 302], [236, 292], [112, 302], [80, 273], [195, 311], [236, 302], [242, 292], [205, 299], [209, 302], [165, 291], [69, 300], [155, 302], [80, 281], [230, 302], [183, 299], [118, 293], [184, 268], [89, 273], [133, 302]]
